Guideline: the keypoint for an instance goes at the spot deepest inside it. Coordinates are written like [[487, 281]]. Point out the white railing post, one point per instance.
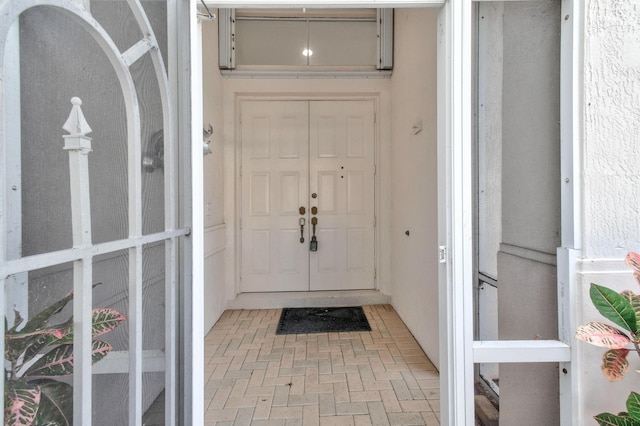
[[79, 146]]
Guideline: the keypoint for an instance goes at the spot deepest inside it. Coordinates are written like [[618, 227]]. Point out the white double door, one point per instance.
[[306, 161]]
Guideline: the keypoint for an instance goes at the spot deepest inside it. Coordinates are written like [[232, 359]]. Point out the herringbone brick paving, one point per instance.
[[254, 377]]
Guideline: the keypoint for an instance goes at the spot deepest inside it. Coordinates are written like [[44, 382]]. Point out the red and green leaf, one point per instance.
[[615, 364], [633, 405], [57, 362], [18, 343], [100, 350], [56, 403], [614, 307], [633, 260], [21, 401], [104, 320], [603, 335]]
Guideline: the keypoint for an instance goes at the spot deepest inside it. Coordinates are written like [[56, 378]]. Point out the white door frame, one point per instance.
[[307, 97], [458, 351]]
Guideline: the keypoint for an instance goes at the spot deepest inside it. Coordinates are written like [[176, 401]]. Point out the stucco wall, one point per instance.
[[611, 181], [414, 262], [611, 128]]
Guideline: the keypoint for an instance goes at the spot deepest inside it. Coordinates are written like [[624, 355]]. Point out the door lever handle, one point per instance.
[[301, 222], [313, 246]]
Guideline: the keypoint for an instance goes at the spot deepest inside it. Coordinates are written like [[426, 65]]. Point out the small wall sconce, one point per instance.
[[154, 157], [206, 149]]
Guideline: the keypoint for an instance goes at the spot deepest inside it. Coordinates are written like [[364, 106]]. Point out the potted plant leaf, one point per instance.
[[622, 309], [38, 356]]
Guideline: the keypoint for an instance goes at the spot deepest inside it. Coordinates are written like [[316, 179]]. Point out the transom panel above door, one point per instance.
[[307, 195]]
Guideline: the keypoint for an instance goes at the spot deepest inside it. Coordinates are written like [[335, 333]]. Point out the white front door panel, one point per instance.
[[275, 162], [342, 177], [290, 151]]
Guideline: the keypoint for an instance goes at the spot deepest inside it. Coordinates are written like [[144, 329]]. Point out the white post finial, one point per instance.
[[76, 124]]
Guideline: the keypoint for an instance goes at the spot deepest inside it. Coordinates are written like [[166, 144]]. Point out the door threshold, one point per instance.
[[307, 299]]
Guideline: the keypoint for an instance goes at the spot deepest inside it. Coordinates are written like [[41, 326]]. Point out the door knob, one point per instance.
[[314, 195], [314, 210], [302, 210]]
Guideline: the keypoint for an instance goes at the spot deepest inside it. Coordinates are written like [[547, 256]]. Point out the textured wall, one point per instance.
[[611, 154], [611, 128]]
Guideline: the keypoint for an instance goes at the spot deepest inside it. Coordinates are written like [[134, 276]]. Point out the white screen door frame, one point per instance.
[[177, 222], [458, 351]]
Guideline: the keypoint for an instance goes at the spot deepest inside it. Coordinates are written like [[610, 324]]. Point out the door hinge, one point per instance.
[[375, 170], [240, 223], [375, 221], [375, 273], [375, 117], [442, 254]]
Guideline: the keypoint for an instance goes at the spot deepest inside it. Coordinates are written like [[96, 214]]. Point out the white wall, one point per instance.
[[611, 180], [214, 232], [414, 262]]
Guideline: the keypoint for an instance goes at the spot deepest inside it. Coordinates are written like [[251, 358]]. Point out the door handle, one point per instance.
[[313, 245], [301, 222]]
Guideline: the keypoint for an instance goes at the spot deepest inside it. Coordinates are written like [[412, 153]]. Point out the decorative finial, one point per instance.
[[76, 124]]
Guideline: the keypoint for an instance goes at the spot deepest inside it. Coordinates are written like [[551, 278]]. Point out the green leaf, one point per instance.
[[603, 335], [40, 321], [633, 405], [21, 401], [634, 299], [614, 307], [615, 364], [608, 419], [56, 404], [55, 363]]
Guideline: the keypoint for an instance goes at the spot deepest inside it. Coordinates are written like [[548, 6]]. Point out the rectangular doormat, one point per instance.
[[322, 320]]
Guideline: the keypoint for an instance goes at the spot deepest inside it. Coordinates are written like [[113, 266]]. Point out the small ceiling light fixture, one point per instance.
[[307, 52]]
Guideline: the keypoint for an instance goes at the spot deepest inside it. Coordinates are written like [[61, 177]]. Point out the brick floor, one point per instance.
[[253, 377]]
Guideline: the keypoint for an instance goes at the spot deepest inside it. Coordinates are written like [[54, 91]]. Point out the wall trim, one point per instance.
[[529, 254], [214, 240], [603, 266]]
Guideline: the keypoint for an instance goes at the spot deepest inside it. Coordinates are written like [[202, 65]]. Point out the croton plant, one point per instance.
[[38, 357], [623, 309]]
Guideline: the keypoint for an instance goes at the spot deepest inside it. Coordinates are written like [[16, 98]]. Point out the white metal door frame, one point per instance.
[[455, 99]]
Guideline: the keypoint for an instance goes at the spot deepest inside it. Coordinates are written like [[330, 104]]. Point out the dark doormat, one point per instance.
[[322, 320]]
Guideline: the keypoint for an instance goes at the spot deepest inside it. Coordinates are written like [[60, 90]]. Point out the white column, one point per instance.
[[79, 146]]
